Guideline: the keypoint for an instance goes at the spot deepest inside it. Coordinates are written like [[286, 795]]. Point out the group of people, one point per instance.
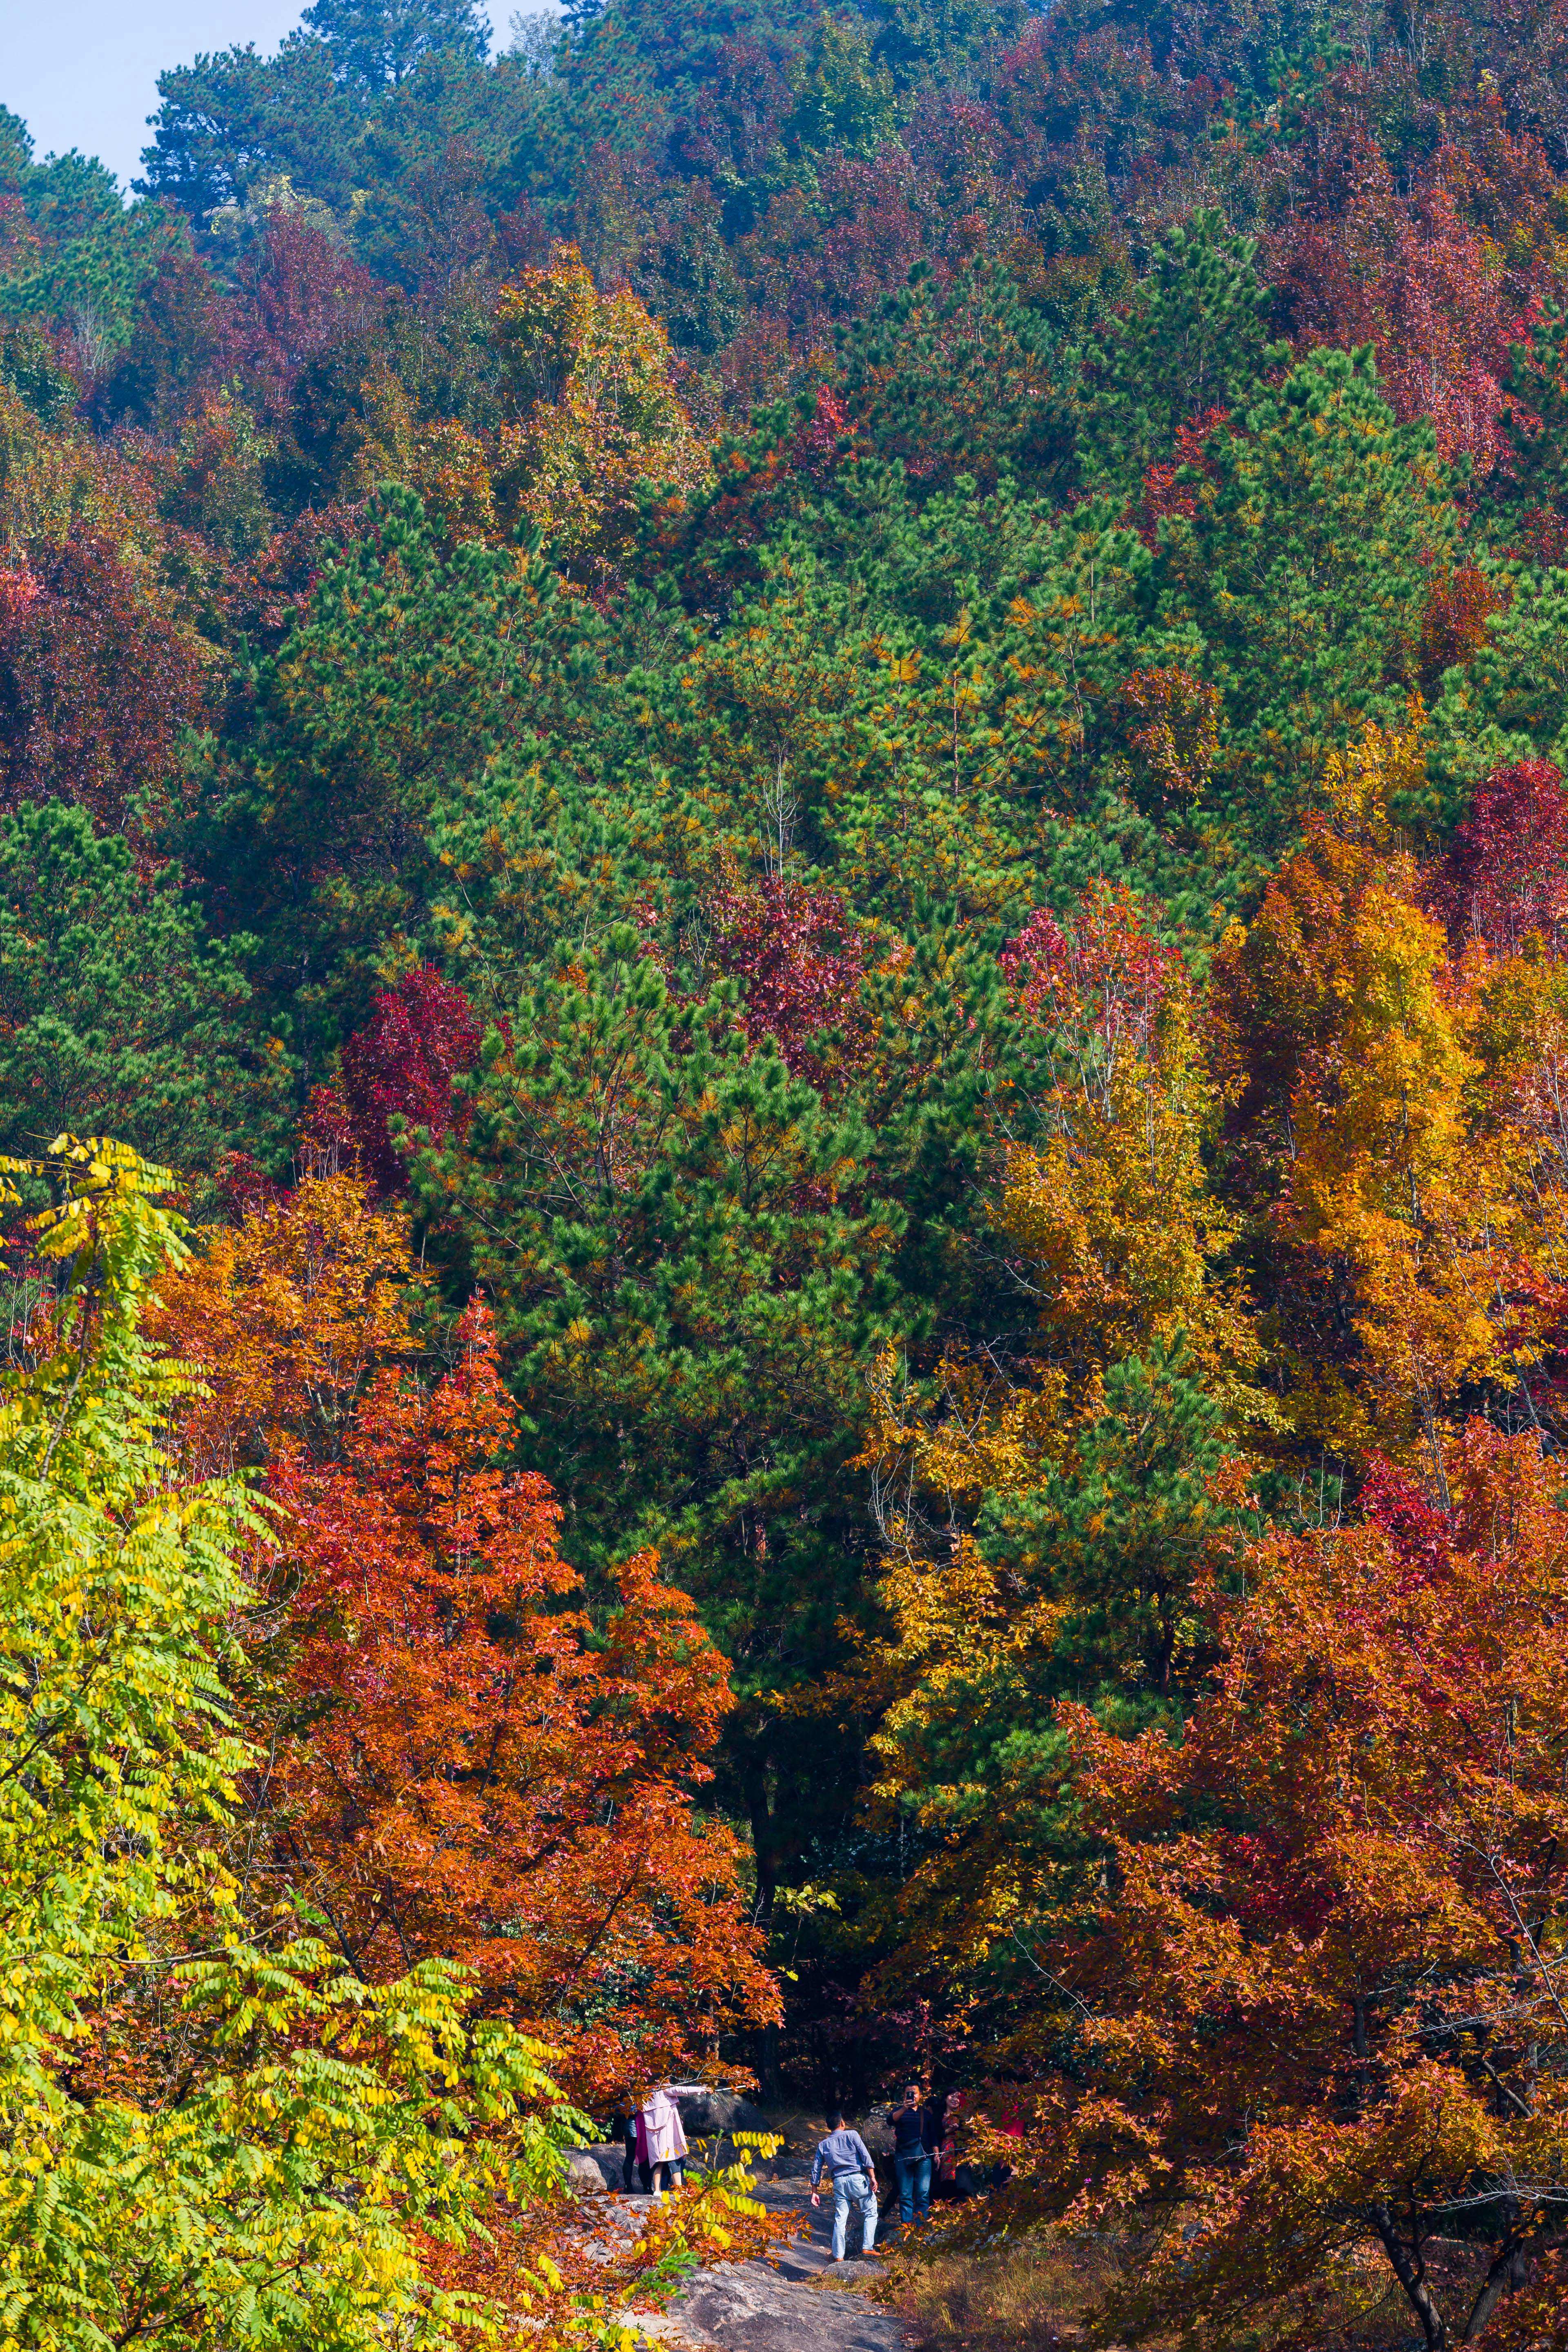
[[923, 2142], [655, 2142], [924, 2131]]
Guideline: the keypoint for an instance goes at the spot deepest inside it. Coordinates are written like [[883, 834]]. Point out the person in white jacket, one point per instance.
[[664, 2138]]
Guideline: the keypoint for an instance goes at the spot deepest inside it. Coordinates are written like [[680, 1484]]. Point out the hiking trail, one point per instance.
[[798, 2301]]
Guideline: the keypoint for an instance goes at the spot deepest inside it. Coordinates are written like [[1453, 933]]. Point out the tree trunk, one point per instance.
[[1507, 2273], [1411, 2275], [763, 1843]]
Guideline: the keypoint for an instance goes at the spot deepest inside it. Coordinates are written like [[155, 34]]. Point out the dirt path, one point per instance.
[[799, 2301]]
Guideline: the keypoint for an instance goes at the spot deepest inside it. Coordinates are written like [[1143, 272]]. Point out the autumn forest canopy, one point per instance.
[[784, 1055]]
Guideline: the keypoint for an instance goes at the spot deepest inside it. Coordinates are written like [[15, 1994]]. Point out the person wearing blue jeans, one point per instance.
[[844, 2158], [911, 2159]]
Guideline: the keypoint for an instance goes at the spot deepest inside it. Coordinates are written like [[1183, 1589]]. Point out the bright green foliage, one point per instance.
[[115, 1013], [1194, 338], [202, 2142], [687, 1266], [274, 2204], [913, 684], [1510, 701], [118, 1592]]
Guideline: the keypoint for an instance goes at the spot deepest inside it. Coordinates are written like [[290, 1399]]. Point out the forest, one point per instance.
[[783, 1084]]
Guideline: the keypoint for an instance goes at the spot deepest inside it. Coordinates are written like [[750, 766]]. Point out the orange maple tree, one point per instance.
[[1313, 1998], [467, 1761], [287, 1312]]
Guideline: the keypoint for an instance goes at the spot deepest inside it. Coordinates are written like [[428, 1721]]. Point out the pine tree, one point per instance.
[[114, 1011]]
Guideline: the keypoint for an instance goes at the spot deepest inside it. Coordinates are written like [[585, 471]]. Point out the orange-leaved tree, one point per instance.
[[288, 1312], [1398, 1206], [1309, 2015], [465, 1761]]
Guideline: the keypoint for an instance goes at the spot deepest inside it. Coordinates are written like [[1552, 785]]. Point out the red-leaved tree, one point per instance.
[[790, 946], [421, 1035], [1506, 874], [1311, 1999], [1415, 274], [484, 1777], [296, 295], [97, 681], [463, 1761], [1097, 981]]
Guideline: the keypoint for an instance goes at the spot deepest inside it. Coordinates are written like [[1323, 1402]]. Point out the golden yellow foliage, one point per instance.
[[596, 418], [1109, 1222], [287, 1315], [1402, 1225]]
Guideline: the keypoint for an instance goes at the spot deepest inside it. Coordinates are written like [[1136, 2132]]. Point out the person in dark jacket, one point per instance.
[[911, 2159], [622, 2128]]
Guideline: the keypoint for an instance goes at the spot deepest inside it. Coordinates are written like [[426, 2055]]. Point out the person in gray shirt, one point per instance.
[[846, 2160]]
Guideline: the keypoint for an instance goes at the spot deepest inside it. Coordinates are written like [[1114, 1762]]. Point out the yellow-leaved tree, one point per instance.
[[1394, 1144], [205, 2136], [1055, 1506], [597, 422], [1066, 1511]]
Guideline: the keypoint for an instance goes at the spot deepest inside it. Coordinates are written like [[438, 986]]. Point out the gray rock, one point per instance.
[[786, 2304], [755, 2308], [586, 2169], [705, 2112]]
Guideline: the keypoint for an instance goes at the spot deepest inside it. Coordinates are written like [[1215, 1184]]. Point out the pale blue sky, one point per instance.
[[84, 73]]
